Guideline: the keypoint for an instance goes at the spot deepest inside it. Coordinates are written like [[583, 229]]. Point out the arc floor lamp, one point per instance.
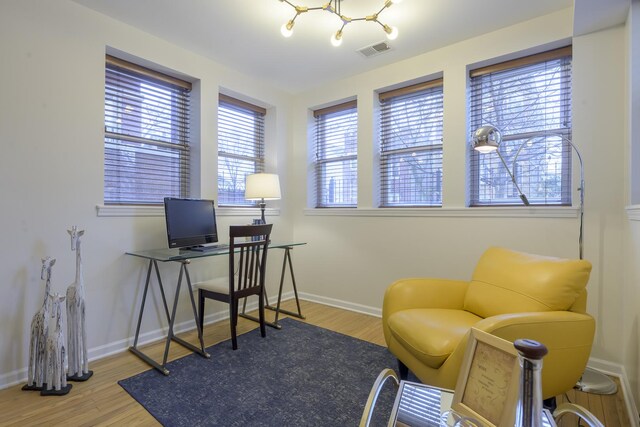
[[487, 139]]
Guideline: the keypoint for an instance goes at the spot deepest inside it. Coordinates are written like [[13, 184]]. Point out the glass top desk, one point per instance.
[[184, 257]]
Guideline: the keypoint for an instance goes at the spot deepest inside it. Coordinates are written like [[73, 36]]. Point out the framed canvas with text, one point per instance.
[[488, 383]]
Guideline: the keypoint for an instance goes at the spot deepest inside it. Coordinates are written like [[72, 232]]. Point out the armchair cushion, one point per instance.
[[431, 335], [506, 281]]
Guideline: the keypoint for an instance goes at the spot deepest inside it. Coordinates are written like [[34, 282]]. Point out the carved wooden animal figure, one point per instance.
[[56, 354], [39, 333], [76, 331]]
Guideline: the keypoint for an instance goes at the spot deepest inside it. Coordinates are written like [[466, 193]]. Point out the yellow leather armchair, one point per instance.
[[512, 295]]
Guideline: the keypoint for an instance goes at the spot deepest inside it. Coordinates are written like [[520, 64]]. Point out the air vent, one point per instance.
[[375, 49]]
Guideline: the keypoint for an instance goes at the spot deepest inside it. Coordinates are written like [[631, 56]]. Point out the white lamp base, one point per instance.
[[596, 382]]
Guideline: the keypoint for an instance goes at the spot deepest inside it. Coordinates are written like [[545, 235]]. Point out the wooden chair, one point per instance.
[[249, 256]]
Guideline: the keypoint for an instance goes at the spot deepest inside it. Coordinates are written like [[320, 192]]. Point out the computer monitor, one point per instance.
[[191, 223]]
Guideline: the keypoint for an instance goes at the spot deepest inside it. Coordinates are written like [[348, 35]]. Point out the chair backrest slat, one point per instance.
[[250, 256]]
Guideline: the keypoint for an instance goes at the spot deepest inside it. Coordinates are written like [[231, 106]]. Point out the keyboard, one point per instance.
[[208, 248]]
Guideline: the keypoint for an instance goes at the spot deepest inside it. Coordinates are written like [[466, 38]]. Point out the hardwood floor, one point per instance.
[[102, 402]]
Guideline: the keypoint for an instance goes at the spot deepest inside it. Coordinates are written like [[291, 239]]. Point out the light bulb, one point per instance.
[[485, 149], [287, 29], [336, 39], [392, 32]]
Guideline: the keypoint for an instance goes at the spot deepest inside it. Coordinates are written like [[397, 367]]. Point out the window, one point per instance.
[[529, 101], [336, 146], [411, 145], [240, 148], [146, 142]]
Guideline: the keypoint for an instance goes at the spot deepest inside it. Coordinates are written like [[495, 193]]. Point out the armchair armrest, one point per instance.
[[423, 293], [567, 335], [555, 329]]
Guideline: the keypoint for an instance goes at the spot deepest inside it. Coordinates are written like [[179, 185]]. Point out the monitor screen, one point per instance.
[[190, 222]]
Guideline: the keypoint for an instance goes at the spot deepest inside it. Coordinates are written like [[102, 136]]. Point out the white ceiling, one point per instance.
[[245, 34]]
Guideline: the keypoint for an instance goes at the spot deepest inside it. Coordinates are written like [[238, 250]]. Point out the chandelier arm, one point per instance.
[[386, 5], [302, 9], [289, 3], [339, 32]]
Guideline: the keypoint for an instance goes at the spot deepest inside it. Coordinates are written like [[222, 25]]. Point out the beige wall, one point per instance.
[[51, 120], [360, 253], [51, 169]]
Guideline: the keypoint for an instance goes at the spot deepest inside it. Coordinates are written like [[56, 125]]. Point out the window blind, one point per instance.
[[411, 146], [529, 101], [336, 147], [146, 145], [240, 148]]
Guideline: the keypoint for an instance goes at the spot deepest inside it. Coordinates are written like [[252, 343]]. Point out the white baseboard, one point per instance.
[[616, 370], [358, 308], [96, 353]]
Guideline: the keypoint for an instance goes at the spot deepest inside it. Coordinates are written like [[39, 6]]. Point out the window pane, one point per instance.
[[538, 171], [531, 106], [146, 138], [240, 151], [336, 169], [410, 179], [338, 183], [232, 175], [411, 149]]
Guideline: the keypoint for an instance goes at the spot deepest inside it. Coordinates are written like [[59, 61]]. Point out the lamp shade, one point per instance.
[[262, 186], [486, 139]]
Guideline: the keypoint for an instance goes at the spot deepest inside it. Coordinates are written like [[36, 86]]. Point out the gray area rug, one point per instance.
[[301, 375]]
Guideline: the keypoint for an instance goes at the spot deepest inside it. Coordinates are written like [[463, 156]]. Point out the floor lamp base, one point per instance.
[[596, 382]]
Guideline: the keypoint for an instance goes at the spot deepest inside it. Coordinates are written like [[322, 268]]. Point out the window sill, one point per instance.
[[633, 212], [156, 211], [483, 212]]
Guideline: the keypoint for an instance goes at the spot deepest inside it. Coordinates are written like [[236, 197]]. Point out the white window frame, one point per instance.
[[335, 149], [531, 148]]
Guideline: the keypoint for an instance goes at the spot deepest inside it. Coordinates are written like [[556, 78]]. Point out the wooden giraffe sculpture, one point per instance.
[[56, 354], [76, 332], [39, 333]]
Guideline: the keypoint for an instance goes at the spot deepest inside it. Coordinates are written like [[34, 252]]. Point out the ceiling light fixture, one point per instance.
[[334, 7]]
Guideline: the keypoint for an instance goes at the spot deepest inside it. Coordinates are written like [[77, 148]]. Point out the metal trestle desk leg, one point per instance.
[[277, 309], [170, 318]]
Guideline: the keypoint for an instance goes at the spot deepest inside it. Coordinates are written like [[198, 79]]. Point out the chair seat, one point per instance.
[[219, 285], [431, 334]]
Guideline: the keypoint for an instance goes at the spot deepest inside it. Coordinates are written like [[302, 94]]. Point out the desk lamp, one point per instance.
[[262, 186], [487, 139]]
